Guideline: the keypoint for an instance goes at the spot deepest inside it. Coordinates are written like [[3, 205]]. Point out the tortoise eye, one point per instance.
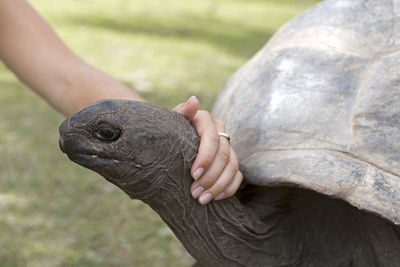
[[107, 133]]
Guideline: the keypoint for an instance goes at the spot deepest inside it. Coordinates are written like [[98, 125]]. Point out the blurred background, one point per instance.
[[54, 212]]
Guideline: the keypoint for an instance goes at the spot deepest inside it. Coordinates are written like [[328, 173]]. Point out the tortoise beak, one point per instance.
[[61, 143], [63, 129]]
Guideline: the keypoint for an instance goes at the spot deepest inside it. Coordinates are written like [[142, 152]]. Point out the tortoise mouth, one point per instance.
[[91, 159], [86, 157]]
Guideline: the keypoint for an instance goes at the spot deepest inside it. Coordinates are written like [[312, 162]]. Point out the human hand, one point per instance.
[[216, 168]]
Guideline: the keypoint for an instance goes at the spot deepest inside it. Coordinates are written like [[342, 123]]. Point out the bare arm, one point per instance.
[[31, 49]]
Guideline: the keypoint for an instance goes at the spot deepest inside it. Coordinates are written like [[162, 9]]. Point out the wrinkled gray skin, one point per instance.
[[316, 108]]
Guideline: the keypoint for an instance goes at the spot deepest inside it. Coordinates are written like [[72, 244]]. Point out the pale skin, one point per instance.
[[32, 50]]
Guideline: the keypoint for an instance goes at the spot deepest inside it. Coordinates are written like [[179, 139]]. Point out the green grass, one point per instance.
[[55, 213]]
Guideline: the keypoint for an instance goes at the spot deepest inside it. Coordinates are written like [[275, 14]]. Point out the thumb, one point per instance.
[[189, 108]]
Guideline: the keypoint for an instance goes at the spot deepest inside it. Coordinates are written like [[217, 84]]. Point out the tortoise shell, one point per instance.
[[319, 105]]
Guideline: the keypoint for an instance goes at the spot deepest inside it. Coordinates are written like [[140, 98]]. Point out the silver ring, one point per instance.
[[225, 135]]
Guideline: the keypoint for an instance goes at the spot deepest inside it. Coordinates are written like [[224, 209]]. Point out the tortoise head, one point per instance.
[[132, 144]]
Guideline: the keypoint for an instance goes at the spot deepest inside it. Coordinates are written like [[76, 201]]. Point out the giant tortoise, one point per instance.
[[315, 120]]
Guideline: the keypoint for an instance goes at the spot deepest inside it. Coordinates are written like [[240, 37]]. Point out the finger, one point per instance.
[[212, 175], [209, 143], [189, 108], [221, 159], [209, 178], [220, 125], [232, 188], [219, 187]]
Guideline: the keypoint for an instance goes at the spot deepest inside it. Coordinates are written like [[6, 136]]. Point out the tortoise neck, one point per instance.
[[221, 233]]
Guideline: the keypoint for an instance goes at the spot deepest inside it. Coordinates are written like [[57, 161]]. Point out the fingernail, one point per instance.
[[197, 192], [220, 196], [205, 198], [190, 99], [198, 173]]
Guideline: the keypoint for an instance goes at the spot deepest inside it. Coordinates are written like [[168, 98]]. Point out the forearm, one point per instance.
[[31, 49]]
